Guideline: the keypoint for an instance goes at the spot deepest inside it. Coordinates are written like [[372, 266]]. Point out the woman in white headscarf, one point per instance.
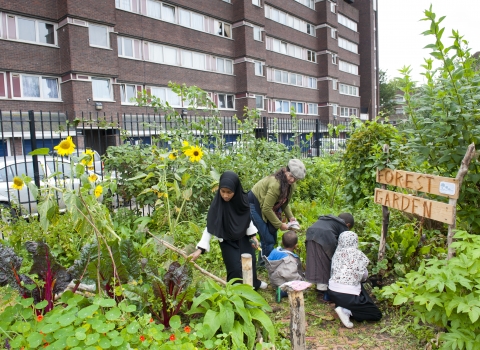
[[345, 289]]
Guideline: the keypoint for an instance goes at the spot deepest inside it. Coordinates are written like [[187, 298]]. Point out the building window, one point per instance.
[[259, 102], [399, 111], [154, 9], [256, 2], [347, 22], [298, 107], [257, 33], [101, 89], [308, 3], [333, 7], [312, 108], [334, 58], [347, 112], [286, 19], [258, 68], [169, 55], [30, 30], [348, 90], [348, 67], [333, 33], [130, 92], [311, 83], [224, 66], [98, 36], [284, 77], [34, 87], [191, 19], [168, 13], [347, 45], [3, 85], [282, 106], [127, 5], [129, 48], [335, 84], [335, 109], [223, 29], [226, 101], [311, 56], [165, 95]]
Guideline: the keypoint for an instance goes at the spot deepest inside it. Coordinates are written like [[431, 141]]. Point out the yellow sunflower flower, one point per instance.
[[65, 147], [195, 153], [92, 178], [18, 183], [98, 191], [88, 161], [173, 155], [185, 143]]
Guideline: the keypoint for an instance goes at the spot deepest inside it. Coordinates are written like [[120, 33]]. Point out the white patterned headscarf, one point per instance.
[[348, 262]]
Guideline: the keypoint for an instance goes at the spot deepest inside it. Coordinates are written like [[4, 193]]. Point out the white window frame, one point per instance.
[[263, 102], [130, 9], [348, 112], [313, 56], [225, 95], [40, 87], [258, 68], [110, 99], [225, 62], [333, 7], [90, 25], [287, 19], [347, 22], [308, 3], [333, 33], [3, 82], [335, 109], [349, 90], [167, 92], [121, 45], [348, 67], [347, 45], [223, 24], [295, 105], [282, 105], [334, 58], [258, 36], [312, 108], [123, 96], [335, 84], [6, 34], [256, 3], [175, 13], [399, 110]]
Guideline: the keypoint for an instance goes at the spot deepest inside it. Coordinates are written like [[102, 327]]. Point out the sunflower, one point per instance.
[[18, 183], [65, 147], [185, 143], [92, 178], [195, 153], [98, 191], [88, 161], [173, 155]]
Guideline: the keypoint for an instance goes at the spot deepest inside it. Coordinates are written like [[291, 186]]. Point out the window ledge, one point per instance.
[[101, 47], [31, 43]]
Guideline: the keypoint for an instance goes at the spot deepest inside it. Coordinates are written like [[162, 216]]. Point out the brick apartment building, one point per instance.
[[317, 56]]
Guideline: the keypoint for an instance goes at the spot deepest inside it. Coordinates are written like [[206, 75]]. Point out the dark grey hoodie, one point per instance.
[[325, 231]]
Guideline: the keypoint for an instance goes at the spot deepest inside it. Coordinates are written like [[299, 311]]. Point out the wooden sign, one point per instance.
[[437, 211], [439, 185]]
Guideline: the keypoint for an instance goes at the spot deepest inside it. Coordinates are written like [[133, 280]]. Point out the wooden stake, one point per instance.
[[460, 175], [385, 222], [247, 272], [297, 320], [182, 253]]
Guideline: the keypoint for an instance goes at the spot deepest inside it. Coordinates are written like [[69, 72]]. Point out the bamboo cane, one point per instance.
[[182, 253]]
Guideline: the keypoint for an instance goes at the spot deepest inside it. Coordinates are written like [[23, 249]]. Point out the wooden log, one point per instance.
[[247, 272], [297, 320], [453, 201]]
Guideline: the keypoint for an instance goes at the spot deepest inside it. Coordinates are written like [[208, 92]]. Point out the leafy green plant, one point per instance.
[[445, 293], [444, 115], [364, 155], [236, 310]]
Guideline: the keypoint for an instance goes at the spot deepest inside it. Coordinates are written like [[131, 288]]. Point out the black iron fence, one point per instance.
[[24, 131]]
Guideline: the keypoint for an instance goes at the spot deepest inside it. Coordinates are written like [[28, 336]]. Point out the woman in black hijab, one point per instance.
[[229, 221]]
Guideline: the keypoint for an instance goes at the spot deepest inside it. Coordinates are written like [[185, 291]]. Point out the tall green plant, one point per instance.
[[444, 114]]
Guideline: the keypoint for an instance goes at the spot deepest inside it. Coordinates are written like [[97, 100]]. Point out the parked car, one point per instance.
[[20, 165], [326, 146]]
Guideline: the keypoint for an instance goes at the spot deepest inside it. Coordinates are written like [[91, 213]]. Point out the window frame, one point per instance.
[[223, 24], [334, 59], [344, 89], [350, 111], [347, 45], [259, 33], [257, 3], [123, 100], [40, 88], [3, 82], [315, 108], [263, 102], [256, 64], [110, 88], [226, 95], [107, 32], [349, 66], [137, 10], [313, 56], [7, 35], [347, 22]]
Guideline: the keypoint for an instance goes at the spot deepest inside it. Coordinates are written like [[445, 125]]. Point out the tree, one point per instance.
[[388, 91]]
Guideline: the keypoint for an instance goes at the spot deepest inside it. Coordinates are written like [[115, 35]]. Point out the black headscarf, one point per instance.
[[229, 220]]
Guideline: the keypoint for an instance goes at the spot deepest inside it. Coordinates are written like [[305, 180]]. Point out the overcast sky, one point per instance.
[[400, 40]]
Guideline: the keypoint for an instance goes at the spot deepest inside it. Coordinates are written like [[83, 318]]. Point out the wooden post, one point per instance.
[[453, 201], [297, 319], [385, 222], [247, 272]]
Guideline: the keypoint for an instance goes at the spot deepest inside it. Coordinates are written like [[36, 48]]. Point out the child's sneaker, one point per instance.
[[343, 317]]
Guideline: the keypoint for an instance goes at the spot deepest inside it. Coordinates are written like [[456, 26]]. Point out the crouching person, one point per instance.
[[283, 265], [349, 269]]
